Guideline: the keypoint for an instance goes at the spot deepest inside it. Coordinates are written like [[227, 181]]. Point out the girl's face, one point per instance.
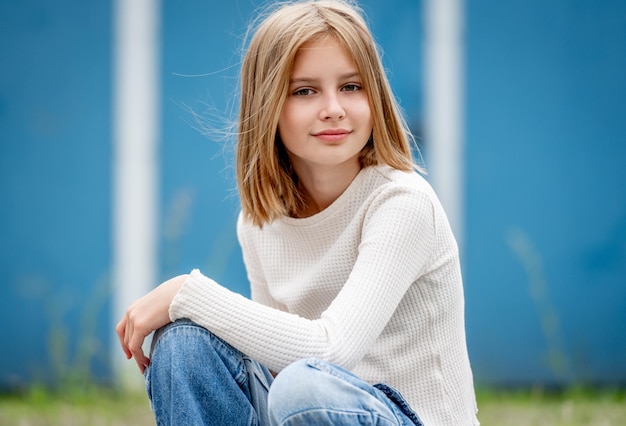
[[326, 119]]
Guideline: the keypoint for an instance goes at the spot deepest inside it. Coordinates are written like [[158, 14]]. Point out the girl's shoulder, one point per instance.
[[390, 179], [395, 192]]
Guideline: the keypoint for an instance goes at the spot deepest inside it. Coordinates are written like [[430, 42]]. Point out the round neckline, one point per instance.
[[333, 207]]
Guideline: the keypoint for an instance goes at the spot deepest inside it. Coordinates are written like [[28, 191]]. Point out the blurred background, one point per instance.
[[528, 153]]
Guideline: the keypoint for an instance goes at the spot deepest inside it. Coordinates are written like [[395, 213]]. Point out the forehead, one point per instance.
[[326, 53]]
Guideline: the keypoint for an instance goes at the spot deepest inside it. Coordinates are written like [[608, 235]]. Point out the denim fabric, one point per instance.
[[313, 391], [195, 378], [395, 396]]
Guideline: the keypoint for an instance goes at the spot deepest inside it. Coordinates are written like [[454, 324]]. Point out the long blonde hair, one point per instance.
[[267, 186]]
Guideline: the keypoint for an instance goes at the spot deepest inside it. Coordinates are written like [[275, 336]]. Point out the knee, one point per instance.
[[298, 387], [184, 345], [313, 391], [180, 345], [177, 338], [309, 377], [294, 379]]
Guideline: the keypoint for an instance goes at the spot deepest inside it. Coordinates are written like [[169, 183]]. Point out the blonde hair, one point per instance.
[[267, 186]]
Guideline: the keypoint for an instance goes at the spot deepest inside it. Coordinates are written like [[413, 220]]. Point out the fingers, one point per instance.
[[142, 368], [134, 338], [120, 329], [131, 341], [128, 332], [135, 346], [145, 315]]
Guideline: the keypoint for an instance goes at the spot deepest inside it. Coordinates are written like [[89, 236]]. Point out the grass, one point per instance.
[[76, 407], [92, 406], [574, 407]]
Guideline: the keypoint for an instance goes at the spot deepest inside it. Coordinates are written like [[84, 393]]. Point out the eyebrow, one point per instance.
[[309, 79]]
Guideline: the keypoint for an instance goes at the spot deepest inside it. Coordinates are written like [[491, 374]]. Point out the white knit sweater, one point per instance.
[[372, 283]]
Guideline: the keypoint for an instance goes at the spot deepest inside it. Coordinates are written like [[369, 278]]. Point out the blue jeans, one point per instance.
[[195, 378]]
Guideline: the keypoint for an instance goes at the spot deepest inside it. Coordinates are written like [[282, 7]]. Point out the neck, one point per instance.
[[320, 188]]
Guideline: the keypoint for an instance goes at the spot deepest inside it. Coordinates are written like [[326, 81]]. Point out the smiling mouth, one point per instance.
[[335, 135]]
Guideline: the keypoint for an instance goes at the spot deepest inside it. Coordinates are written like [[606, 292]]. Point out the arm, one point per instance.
[[397, 241]]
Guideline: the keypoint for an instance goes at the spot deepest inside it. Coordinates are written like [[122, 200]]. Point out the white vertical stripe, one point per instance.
[[136, 98], [444, 105]]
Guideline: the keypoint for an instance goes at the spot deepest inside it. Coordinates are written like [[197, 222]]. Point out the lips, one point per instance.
[[331, 132], [332, 135]]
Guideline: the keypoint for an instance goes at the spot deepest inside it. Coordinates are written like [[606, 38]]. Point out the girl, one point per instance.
[[357, 303]]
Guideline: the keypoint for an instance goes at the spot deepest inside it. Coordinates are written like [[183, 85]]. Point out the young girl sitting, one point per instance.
[[357, 311]]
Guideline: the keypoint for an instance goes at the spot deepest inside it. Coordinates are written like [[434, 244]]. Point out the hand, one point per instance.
[[145, 315]]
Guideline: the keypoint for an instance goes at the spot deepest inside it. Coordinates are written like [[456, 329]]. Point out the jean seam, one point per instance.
[[399, 405], [345, 376], [242, 377]]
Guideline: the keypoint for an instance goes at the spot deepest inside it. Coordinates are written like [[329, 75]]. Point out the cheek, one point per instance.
[[362, 108], [366, 115], [288, 129], [287, 117], [294, 119]]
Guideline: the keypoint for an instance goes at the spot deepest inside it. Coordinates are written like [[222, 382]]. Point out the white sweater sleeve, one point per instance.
[[397, 240], [258, 288]]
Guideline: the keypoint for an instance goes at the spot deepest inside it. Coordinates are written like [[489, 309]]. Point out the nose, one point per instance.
[[332, 108]]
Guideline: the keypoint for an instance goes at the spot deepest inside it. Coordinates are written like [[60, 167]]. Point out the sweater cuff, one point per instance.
[[195, 284]]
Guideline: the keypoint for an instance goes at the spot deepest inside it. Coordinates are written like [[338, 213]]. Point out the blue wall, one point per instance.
[[545, 246], [546, 207], [55, 155]]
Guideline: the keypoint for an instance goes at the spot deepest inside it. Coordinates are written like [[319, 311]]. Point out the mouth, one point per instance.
[[332, 135], [332, 132]]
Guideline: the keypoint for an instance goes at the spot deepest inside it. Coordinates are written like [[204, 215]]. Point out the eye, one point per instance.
[[351, 87], [303, 92]]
